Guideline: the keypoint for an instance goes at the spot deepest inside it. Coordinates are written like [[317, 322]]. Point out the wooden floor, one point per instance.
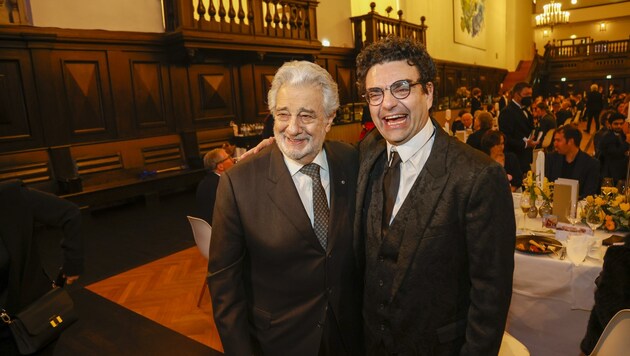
[[166, 291]]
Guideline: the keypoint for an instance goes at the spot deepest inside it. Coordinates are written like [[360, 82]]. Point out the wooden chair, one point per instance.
[[202, 232]]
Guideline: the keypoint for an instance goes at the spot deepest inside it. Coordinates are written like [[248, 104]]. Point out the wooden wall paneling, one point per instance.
[[180, 97], [213, 94], [20, 121], [50, 98], [263, 76], [345, 76], [142, 97], [249, 108], [150, 84], [83, 83]]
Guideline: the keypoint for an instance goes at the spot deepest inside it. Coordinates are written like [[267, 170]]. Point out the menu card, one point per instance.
[[565, 193]]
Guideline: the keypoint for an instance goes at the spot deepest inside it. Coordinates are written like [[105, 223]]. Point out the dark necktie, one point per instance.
[[320, 203], [391, 181]]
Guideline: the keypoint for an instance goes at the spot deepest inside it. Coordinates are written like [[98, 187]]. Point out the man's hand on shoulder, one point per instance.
[[264, 143]]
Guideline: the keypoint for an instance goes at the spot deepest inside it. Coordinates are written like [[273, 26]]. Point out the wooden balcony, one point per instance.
[[371, 27], [261, 26], [586, 47]]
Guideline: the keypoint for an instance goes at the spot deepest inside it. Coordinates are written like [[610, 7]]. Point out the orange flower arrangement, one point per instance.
[[615, 208]]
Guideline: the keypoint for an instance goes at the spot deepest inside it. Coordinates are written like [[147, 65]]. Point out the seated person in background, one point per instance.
[[493, 144], [544, 121], [564, 113], [603, 130], [612, 293], [458, 125], [614, 147], [568, 161], [483, 123], [216, 162], [22, 278]]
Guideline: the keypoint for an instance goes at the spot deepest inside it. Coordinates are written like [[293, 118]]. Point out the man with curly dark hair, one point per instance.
[[434, 227]]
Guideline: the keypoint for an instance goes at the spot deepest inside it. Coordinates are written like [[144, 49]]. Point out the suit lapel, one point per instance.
[[419, 206], [368, 160], [284, 195]]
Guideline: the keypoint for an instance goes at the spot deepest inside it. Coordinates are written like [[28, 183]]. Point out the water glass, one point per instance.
[[577, 248]]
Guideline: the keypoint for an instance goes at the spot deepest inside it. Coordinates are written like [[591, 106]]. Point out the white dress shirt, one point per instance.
[[304, 183], [413, 155]]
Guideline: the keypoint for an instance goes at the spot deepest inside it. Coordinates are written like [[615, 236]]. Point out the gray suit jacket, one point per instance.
[[270, 280], [452, 285]]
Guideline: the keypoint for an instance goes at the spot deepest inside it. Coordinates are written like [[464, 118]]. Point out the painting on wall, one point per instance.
[[469, 23]]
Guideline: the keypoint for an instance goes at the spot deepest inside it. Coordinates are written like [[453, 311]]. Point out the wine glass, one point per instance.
[[594, 217], [572, 214]]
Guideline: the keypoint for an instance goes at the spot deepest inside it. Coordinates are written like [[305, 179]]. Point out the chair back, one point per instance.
[[202, 231], [546, 142], [615, 339], [510, 346]]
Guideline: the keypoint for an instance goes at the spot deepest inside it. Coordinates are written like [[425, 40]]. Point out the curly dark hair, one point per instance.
[[392, 49]]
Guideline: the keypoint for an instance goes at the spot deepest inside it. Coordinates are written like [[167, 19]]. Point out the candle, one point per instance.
[[540, 168]]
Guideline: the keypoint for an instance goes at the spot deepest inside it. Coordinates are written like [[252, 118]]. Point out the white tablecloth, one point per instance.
[[551, 301]]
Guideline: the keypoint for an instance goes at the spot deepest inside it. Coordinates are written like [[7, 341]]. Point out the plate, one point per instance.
[[522, 244]]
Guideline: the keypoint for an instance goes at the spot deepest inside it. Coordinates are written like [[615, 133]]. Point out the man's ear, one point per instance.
[[429, 89]]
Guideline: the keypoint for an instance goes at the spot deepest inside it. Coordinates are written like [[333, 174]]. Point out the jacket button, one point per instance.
[[380, 283], [319, 325], [381, 306], [380, 258], [382, 327]]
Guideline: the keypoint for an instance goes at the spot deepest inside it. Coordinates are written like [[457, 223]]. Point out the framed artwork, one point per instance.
[[469, 23]]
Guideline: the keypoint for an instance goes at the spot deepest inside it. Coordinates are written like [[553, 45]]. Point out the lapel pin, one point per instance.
[[343, 182]]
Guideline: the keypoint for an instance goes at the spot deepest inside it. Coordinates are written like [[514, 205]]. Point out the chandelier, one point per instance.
[[552, 15]]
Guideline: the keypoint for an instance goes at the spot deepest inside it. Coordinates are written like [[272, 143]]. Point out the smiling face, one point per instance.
[[300, 125], [398, 120]]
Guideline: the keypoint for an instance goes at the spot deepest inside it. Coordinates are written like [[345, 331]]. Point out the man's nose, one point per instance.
[[293, 126]]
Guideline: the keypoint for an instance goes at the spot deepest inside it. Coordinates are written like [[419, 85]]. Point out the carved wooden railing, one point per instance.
[[13, 12], [372, 27], [281, 19], [585, 47]]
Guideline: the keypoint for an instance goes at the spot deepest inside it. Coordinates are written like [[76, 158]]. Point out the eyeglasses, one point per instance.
[[400, 90], [225, 159]]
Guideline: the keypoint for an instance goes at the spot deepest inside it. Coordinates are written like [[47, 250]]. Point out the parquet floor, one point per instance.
[[166, 291]]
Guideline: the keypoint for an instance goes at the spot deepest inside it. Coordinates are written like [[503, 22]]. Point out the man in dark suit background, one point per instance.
[[614, 148], [594, 105], [438, 272], [282, 272], [568, 161], [516, 122], [216, 162], [504, 99]]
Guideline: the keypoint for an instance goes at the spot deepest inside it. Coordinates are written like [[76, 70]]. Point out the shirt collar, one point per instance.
[[294, 166], [411, 147]]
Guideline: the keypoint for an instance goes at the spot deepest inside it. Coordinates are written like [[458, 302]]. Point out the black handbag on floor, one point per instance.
[[41, 322]]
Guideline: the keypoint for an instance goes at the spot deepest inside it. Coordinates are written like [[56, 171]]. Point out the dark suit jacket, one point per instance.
[[270, 279], [613, 150], [206, 195], [21, 208], [452, 285], [586, 171], [612, 294], [594, 102], [516, 124], [474, 139], [475, 104], [503, 101]]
